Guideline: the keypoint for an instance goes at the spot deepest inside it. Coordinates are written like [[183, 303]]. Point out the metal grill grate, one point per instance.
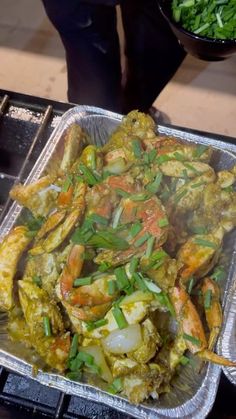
[[25, 125]]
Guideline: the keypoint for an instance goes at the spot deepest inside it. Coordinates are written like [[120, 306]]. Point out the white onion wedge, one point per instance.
[[99, 360], [124, 340]]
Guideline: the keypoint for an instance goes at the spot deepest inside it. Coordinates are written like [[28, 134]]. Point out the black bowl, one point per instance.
[[207, 49]]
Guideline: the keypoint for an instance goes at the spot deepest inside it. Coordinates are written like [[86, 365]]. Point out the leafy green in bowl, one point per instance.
[[209, 18]]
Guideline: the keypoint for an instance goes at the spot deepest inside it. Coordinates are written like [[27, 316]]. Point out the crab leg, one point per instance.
[[57, 236], [190, 326], [11, 250]]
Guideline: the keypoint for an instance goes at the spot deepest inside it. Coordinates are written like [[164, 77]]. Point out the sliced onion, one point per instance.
[[116, 166], [124, 340], [99, 359], [51, 187], [137, 296], [152, 287]]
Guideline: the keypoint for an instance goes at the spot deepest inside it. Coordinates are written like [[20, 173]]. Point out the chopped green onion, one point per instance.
[[185, 175], [135, 229], [163, 299], [89, 176], [180, 195], [156, 260], [116, 386], [184, 360], [99, 219], [150, 244], [137, 148], [163, 222], [117, 302], [108, 240], [228, 189], [83, 234], [219, 274], [139, 196], [219, 20], [74, 346], [187, 3], [47, 326], [165, 195], [154, 186], [205, 243], [89, 254], [133, 265], [112, 287], [119, 317], [192, 168], [75, 364], [31, 233], [85, 357], [179, 156], [162, 159], [95, 325], [104, 266], [117, 216], [197, 185], [94, 368], [152, 155], [122, 193], [190, 285], [199, 230], [192, 339], [34, 223], [177, 14], [74, 375], [139, 281], [159, 254], [207, 299], [66, 185], [139, 242], [199, 150], [122, 278], [202, 28], [78, 282], [37, 280]]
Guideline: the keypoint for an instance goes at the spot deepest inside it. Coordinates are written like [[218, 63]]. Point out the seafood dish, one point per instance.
[[113, 270]]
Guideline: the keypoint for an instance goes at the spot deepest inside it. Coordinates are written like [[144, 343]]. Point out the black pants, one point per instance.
[[88, 32]]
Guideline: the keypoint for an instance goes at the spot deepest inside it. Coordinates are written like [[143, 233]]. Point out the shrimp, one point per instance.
[[71, 270], [87, 302], [11, 250], [191, 328]]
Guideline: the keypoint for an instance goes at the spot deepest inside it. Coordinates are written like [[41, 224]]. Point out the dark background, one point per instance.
[[224, 407]]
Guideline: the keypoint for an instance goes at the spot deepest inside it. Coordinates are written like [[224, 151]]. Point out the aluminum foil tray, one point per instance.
[[227, 340], [193, 393]]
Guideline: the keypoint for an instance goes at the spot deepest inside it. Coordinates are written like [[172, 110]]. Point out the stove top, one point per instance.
[[26, 123]]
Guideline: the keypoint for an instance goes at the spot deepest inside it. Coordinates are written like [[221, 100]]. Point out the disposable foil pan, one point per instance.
[[193, 393], [227, 340]]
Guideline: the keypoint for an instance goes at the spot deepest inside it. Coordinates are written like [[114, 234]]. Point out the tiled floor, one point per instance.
[[32, 56], [201, 95]]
